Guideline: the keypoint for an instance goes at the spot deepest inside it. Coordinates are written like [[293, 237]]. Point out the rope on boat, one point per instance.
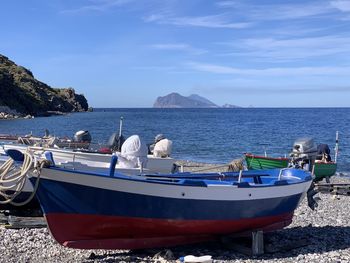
[[24, 141], [13, 178]]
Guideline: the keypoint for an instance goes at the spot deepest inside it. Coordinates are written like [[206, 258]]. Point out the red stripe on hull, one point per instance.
[[112, 232]]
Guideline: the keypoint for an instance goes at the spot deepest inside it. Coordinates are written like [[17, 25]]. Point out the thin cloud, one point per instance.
[[345, 18], [286, 71], [228, 4], [274, 90], [285, 11], [211, 21], [179, 47], [289, 49], [162, 69], [154, 18], [155, 68], [97, 6], [342, 5]]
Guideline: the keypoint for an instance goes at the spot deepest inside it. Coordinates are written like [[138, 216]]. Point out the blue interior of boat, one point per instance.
[[16, 155], [49, 156], [262, 178]]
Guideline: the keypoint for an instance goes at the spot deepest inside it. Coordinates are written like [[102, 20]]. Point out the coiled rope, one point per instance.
[[13, 178]]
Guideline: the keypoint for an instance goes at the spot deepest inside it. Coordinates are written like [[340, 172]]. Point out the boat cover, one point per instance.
[[163, 148], [82, 136], [133, 153]]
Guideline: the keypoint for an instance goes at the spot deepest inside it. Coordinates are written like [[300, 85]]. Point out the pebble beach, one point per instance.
[[322, 235]]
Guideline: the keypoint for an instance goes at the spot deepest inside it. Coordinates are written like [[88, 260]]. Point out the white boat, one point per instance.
[[64, 164], [84, 161], [91, 159]]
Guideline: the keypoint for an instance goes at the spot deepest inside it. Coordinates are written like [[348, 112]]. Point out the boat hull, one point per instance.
[[81, 231], [260, 162], [321, 171], [87, 211]]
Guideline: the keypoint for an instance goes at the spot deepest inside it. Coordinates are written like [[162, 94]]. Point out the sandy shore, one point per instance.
[[322, 235]]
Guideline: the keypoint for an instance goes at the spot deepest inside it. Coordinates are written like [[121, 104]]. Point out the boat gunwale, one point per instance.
[[76, 152], [252, 156], [328, 163], [182, 181]]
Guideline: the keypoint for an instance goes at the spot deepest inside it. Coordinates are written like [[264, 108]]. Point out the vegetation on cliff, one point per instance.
[[21, 92]]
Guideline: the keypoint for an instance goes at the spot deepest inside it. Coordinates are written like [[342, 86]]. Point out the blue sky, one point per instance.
[[125, 53]]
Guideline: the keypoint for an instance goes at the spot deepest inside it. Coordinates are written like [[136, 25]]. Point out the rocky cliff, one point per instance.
[[22, 93], [175, 100]]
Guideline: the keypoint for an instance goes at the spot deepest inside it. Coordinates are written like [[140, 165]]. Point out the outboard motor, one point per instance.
[[115, 142], [323, 153], [82, 136], [303, 157], [303, 153]]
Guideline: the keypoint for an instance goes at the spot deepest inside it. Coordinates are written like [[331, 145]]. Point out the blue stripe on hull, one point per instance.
[[62, 197]]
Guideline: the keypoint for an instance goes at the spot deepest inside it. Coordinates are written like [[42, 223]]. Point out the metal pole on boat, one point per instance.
[[120, 125], [336, 146], [280, 173], [240, 175], [141, 167]]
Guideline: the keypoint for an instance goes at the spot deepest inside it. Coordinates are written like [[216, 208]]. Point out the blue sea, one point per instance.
[[208, 135]]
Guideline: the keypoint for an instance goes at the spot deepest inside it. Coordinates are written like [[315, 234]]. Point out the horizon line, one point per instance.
[[238, 107]]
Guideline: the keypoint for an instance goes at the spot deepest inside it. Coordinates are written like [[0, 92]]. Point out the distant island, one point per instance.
[[175, 100], [22, 95]]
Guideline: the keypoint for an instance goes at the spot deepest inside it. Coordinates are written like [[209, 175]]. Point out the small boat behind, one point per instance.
[[8, 137], [257, 162], [113, 210], [324, 170], [321, 170], [93, 159], [305, 155], [132, 160], [45, 141]]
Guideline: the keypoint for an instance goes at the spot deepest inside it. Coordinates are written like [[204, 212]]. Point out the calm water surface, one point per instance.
[[211, 135]]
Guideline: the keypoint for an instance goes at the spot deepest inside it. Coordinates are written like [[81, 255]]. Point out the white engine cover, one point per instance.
[[163, 148], [133, 153]]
